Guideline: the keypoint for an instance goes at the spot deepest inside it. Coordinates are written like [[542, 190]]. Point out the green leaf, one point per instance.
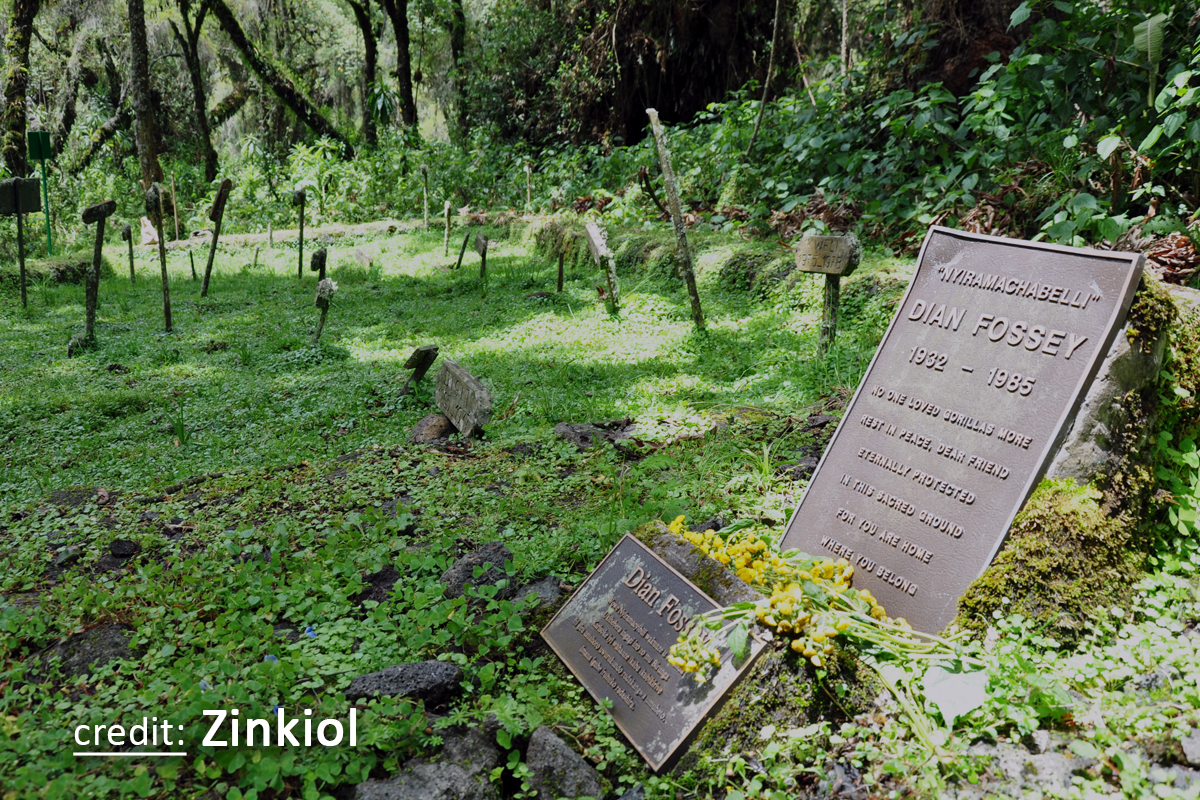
[[1193, 131], [1151, 138], [1173, 123], [1084, 749], [1081, 201], [504, 739], [738, 640], [1070, 140], [1019, 15], [955, 693], [1108, 145], [1148, 37]]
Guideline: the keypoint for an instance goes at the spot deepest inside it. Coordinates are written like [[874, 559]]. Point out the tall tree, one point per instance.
[[16, 82], [189, 42], [362, 15], [71, 94], [458, 43], [397, 14], [280, 84], [144, 132]]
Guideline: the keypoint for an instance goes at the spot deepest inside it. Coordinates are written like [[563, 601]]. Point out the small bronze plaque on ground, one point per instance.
[[980, 372], [615, 634], [831, 255]]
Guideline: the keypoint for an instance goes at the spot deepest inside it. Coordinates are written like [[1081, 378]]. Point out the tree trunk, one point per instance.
[[229, 105], [74, 74], [362, 15], [16, 81], [189, 42], [397, 13], [280, 84], [143, 110], [762, 104], [458, 43]]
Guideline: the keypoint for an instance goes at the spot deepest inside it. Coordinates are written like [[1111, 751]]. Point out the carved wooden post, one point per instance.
[[318, 263], [685, 253], [463, 250], [835, 257], [127, 236], [192, 262], [175, 210], [425, 190], [97, 214], [481, 247], [528, 186], [270, 235], [419, 362], [298, 198], [446, 243], [597, 241], [154, 210], [217, 215], [560, 271]]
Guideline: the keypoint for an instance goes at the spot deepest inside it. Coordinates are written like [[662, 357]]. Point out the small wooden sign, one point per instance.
[[830, 255], [99, 212], [39, 146], [597, 241], [126, 232], [615, 634], [26, 190], [481, 244]]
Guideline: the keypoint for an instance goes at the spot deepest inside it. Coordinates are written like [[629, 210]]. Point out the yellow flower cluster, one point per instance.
[[810, 601], [691, 654]]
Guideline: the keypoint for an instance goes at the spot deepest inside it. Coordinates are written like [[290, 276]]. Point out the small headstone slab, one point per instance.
[[126, 232], [597, 241], [462, 398], [99, 212], [30, 195], [615, 634], [218, 207], [978, 376], [481, 243], [830, 255], [421, 360]]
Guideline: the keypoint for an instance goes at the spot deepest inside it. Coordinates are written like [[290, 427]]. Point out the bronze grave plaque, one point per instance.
[[831, 255], [959, 413], [615, 634]]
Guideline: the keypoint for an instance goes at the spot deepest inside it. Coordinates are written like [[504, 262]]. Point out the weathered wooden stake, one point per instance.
[[836, 256], [216, 214], [270, 236], [425, 190], [685, 253], [298, 198], [175, 209], [318, 263], [192, 262], [21, 250], [481, 247], [257, 247], [597, 241], [97, 214], [154, 209], [463, 250], [829, 313], [528, 186], [446, 243], [419, 362], [560, 271], [127, 236]]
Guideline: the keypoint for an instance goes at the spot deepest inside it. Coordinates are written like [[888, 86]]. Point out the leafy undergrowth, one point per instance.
[[262, 486]]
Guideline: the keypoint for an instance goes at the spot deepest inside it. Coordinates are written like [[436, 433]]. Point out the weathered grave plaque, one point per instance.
[[25, 191], [959, 413], [615, 634], [831, 255], [461, 397], [481, 247]]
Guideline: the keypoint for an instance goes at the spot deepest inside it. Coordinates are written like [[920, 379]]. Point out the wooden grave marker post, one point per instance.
[[425, 192], [419, 362], [318, 263], [528, 186], [41, 151], [298, 198], [155, 204], [685, 253], [597, 241], [97, 214], [835, 257], [216, 214], [446, 242], [19, 196], [127, 236], [462, 251], [481, 247]]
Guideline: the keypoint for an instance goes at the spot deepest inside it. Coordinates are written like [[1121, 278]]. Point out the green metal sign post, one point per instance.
[[39, 150]]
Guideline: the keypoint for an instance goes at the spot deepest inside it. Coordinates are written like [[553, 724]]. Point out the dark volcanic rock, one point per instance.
[[379, 585], [712, 524], [546, 590], [92, 648], [432, 681], [432, 428], [462, 572], [424, 781], [124, 548], [558, 771], [587, 435]]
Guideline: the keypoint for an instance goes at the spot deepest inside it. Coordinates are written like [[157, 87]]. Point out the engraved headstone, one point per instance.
[[461, 397], [959, 413], [615, 634], [830, 255]]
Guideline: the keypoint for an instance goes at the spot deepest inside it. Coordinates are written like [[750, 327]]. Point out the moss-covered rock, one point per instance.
[[1066, 557]]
